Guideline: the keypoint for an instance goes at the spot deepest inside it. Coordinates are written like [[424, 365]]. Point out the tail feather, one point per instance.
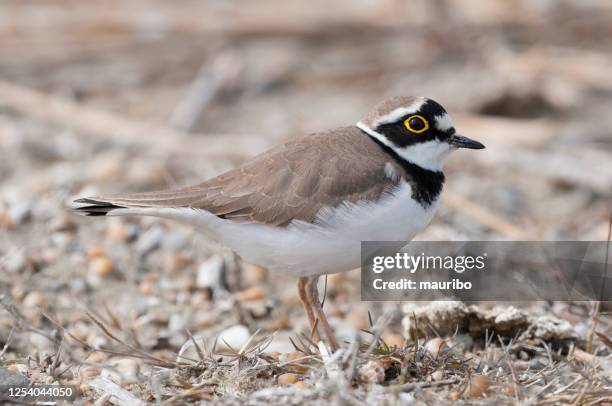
[[146, 203], [95, 207]]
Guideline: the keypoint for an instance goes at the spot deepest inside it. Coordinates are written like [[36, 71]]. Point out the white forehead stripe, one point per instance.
[[400, 112], [444, 122]]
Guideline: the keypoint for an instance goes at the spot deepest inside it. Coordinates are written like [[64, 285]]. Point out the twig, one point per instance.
[[122, 130], [506, 349], [196, 345], [119, 396], [8, 342], [208, 83], [409, 387], [135, 352]]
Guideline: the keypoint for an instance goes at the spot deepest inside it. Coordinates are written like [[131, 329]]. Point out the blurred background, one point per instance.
[[113, 96]]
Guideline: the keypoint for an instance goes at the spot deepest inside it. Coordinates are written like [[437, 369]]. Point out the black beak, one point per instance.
[[460, 141]]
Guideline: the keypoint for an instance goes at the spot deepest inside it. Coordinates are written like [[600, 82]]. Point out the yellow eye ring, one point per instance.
[[416, 131]]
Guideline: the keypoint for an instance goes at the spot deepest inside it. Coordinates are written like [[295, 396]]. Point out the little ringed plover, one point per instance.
[[305, 206]]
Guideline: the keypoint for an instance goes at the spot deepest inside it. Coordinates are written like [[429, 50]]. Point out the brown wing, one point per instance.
[[293, 181]]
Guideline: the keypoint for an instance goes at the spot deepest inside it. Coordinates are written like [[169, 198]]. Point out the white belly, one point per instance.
[[331, 245], [334, 243]]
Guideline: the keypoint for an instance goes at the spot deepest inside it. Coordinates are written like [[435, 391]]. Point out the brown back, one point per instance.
[[292, 181]]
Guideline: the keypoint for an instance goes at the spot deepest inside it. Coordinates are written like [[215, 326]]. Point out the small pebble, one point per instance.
[[209, 272], [302, 385], [254, 274], [176, 262], [275, 355], [96, 357], [88, 372], [287, 379], [299, 364], [203, 319], [19, 368], [394, 340], [235, 336], [479, 386], [15, 263], [18, 291], [5, 221], [63, 223], [508, 390], [117, 232], [150, 240], [19, 213], [96, 251], [258, 309], [199, 298], [177, 322], [147, 286], [128, 369], [101, 266], [96, 341], [34, 299], [435, 346], [250, 294]]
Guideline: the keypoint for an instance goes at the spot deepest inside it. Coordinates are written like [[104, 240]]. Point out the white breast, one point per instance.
[[333, 244]]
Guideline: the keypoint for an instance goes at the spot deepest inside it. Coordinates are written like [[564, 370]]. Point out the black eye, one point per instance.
[[416, 124]]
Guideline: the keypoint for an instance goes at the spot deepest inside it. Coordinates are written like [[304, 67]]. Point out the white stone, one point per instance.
[[209, 272], [234, 336]]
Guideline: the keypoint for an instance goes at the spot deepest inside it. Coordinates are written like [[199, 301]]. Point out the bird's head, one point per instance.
[[417, 129]]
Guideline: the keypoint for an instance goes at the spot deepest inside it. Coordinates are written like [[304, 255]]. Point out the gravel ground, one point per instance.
[[98, 99]]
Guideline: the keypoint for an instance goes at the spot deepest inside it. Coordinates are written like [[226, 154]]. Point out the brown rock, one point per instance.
[[295, 361], [101, 266], [118, 232], [254, 274], [394, 340], [96, 357], [302, 385], [5, 221], [435, 346], [479, 386], [147, 286], [251, 294], [287, 379], [177, 262], [96, 251]]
